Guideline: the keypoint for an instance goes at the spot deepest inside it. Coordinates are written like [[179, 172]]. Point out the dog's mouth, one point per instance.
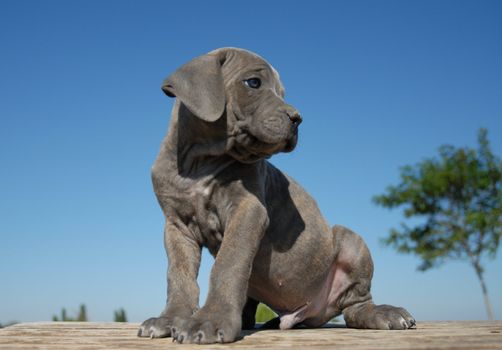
[[291, 143], [247, 148]]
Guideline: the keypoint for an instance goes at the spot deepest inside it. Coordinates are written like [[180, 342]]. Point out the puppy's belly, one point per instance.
[[300, 284], [313, 305]]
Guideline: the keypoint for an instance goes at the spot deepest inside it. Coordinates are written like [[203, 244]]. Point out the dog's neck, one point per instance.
[[195, 148]]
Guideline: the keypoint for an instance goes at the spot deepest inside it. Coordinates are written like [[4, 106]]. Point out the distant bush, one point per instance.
[[3, 325], [120, 315], [81, 317]]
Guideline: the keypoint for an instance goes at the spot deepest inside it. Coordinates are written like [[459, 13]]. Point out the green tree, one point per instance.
[[64, 317], [81, 317], [457, 198], [82, 314], [120, 315]]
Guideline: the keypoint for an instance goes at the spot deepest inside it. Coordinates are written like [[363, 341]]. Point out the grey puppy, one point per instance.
[[269, 239]]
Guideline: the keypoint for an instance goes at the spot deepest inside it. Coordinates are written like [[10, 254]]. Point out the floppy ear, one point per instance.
[[199, 85]]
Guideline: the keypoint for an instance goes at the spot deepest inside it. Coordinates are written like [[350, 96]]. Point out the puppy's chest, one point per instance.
[[198, 210]]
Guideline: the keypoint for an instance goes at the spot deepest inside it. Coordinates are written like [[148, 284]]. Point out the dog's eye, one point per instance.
[[253, 83]]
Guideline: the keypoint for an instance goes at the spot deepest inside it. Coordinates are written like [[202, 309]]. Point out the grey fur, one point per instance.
[[270, 242]]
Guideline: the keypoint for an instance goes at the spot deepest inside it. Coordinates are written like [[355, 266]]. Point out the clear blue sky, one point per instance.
[[380, 84]]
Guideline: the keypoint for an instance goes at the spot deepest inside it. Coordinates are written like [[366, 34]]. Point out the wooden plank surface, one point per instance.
[[89, 336]]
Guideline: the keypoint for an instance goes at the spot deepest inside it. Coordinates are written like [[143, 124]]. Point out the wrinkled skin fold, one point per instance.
[[270, 242]]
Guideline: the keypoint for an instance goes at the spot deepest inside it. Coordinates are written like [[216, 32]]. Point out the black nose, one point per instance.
[[294, 116]]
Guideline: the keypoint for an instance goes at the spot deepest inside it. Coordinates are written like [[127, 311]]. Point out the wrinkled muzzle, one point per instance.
[[268, 131]]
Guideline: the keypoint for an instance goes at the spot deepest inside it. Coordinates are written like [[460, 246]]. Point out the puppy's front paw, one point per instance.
[[391, 317], [156, 327], [372, 316], [205, 328]]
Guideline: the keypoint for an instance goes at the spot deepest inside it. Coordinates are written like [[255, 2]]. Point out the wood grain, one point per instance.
[[90, 336]]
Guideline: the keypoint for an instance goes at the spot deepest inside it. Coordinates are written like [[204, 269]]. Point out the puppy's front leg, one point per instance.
[[219, 320], [182, 289]]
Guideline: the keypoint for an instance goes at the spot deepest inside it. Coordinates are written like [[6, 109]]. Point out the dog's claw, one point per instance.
[[155, 327], [198, 337], [220, 336]]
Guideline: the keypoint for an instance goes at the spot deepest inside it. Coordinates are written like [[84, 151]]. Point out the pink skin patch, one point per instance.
[[289, 320], [323, 306]]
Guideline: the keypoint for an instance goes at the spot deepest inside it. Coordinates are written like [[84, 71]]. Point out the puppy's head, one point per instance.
[[245, 89]]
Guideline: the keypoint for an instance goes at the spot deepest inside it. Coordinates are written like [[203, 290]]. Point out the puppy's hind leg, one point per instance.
[[354, 267]]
